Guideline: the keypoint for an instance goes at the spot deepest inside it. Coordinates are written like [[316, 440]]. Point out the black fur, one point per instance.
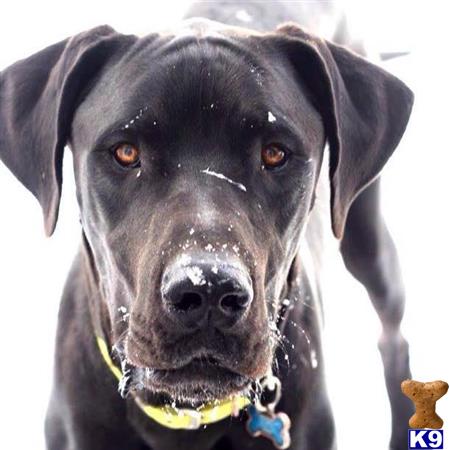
[[191, 102]]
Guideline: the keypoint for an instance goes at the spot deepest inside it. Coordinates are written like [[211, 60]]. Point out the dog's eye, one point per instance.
[[127, 155], [273, 156]]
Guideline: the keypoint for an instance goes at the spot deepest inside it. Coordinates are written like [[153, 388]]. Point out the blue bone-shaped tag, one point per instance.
[[274, 427]]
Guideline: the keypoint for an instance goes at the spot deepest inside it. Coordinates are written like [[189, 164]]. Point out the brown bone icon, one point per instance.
[[424, 397]]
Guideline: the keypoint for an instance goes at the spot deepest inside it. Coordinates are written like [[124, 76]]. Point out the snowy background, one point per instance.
[[415, 200]]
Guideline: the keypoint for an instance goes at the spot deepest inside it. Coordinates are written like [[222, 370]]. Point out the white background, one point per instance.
[[415, 200]]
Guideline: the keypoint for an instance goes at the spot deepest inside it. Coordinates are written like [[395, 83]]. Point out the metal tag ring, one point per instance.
[[271, 383]]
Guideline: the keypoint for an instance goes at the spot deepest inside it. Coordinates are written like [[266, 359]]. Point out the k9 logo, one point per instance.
[[418, 439]]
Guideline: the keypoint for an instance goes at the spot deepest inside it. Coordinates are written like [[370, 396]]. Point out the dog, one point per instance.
[[202, 155]]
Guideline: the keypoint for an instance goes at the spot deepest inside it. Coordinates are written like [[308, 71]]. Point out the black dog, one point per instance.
[[198, 156]]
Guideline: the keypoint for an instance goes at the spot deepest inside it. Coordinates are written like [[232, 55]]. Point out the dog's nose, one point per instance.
[[198, 290]]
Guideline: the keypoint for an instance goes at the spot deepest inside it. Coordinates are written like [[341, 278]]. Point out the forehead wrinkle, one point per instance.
[[223, 72], [187, 82], [178, 82], [230, 68]]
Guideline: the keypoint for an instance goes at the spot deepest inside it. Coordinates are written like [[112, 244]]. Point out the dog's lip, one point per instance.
[[203, 369], [194, 384]]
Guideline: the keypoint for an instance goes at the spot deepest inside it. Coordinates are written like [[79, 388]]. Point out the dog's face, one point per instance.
[[195, 173], [196, 156]]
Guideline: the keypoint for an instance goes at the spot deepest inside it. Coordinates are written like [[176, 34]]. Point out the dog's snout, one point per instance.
[[205, 291]]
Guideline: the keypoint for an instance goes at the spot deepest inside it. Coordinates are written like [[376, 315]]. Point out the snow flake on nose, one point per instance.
[[185, 259], [195, 274]]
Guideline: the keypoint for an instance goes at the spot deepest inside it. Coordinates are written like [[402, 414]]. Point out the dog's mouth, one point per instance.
[[202, 380]]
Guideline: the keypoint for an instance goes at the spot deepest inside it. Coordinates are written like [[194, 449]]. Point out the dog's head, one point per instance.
[[196, 157]]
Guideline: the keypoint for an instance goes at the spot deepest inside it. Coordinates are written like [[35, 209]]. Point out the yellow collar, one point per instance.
[[181, 418]]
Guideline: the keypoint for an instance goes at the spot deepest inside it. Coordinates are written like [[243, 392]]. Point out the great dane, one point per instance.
[[200, 156]]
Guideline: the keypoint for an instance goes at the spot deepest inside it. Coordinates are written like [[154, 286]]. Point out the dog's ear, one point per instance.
[[364, 108], [38, 96]]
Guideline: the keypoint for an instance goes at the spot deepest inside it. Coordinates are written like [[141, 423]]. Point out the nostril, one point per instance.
[[220, 296], [188, 302], [234, 303]]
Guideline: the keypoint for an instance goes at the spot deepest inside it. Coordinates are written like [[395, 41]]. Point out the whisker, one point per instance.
[[279, 340], [302, 330], [119, 345], [304, 303]]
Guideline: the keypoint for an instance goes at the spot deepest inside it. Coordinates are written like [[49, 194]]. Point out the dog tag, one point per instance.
[[274, 426], [262, 419]]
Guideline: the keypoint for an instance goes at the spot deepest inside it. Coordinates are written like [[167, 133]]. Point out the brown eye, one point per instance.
[[273, 156], [127, 155]]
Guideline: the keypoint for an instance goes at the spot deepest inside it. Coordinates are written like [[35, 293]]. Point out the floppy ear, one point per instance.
[[365, 111], [38, 96]]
